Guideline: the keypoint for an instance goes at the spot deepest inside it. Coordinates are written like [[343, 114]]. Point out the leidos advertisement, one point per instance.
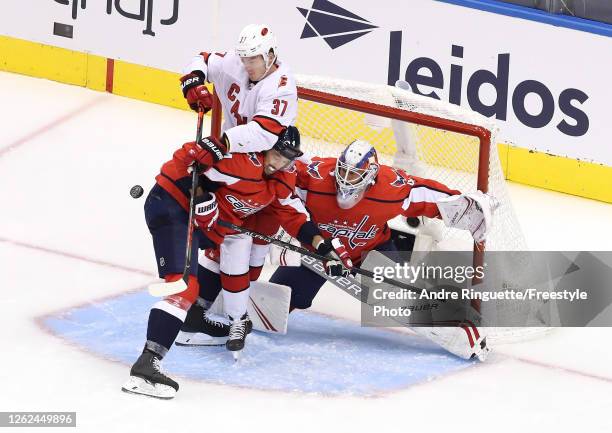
[[547, 87]]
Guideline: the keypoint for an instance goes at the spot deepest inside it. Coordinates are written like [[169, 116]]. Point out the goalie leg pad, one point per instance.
[[464, 340], [282, 256], [304, 284], [268, 307]]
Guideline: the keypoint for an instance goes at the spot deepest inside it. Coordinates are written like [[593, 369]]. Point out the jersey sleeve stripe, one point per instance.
[[301, 193], [432, 189], [217, 175], [273, 126], [423, 193]]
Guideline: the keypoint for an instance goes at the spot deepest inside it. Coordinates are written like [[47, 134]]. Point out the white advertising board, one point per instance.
[[548, 87]]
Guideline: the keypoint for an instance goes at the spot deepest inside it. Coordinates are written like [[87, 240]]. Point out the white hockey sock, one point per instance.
[[235, 304]]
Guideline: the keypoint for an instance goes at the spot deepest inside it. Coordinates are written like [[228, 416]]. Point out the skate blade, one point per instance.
[[137, 385], [198, 339]]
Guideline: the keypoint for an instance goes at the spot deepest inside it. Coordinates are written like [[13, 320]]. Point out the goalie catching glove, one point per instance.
[[473, 212], [339, 263]]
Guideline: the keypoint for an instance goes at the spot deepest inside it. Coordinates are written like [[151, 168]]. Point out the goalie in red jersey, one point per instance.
[[351, 199]]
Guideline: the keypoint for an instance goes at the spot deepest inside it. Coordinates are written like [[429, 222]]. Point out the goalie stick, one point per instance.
[[165, 289], [309, 253]]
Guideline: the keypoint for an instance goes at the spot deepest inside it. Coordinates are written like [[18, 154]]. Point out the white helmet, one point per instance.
[[257, 39], [356, 171]]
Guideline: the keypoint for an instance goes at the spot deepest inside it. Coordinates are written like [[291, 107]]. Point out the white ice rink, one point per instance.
[[70, 235]]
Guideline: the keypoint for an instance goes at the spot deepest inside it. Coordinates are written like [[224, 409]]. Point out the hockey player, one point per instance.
[[242, 184], [257, 91], [352, 198]]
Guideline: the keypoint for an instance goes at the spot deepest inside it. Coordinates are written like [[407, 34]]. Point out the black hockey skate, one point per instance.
[[200, 329], [146, 378], [238, 331]]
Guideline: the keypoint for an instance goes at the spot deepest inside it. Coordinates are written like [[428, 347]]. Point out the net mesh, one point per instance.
[[433, 151]]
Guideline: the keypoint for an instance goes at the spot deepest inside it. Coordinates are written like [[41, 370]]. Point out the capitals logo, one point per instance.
[[353, 233], [247, 209], [400, 180], [313, 169]]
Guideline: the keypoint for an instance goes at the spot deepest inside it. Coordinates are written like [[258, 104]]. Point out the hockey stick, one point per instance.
[[309, 253], [165, 289]]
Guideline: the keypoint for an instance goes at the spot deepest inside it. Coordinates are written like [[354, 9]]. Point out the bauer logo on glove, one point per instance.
[[213, 146]]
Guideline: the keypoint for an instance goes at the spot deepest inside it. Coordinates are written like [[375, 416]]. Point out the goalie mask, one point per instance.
[[356, 171], [257, 40]]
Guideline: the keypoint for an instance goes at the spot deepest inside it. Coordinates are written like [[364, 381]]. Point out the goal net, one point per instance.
[[427, 138]]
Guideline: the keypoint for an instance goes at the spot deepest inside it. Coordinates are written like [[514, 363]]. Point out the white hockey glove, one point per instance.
[[206, 211], [473, 212]]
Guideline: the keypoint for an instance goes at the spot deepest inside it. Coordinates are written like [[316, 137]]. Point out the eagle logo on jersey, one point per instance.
[[282, 82], [253, 158], [353, 234], [313, 169], [399, 179]]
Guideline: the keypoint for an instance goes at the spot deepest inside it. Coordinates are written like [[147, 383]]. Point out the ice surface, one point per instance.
[[73, 243]]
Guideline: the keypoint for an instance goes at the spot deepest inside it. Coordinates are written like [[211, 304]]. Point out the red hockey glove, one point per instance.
[[208, 151], [195, 92], [206, 211], [339, 263]]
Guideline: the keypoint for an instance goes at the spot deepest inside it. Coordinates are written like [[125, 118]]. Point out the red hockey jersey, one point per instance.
[[241, 189], [364, 226]]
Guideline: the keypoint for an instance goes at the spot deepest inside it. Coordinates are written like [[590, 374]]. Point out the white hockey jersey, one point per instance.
[[255, 113]]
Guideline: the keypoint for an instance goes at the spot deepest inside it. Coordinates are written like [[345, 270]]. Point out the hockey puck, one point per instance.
[[136, 191]]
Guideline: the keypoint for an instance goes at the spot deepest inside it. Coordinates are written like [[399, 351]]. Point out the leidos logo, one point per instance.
[[335, 25], [424, 75]]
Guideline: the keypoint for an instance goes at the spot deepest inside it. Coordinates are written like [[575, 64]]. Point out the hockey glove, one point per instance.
[[206, 211], [195, 92], [339, 263], [472, 211], [206, 152]]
